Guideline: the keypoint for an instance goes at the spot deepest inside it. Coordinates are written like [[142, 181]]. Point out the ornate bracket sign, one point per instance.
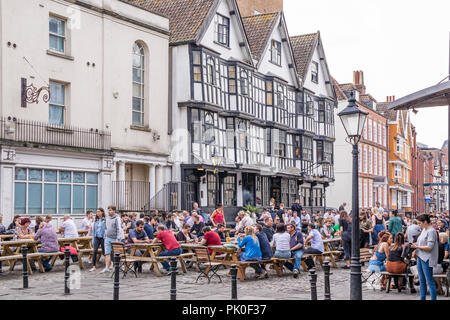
[[30, 94]]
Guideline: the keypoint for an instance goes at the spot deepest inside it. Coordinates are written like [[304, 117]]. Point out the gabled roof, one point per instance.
[[259, 28], [367, 98], [340, 95], [348, 87], [382, 107], [303, 46], [185, 16]]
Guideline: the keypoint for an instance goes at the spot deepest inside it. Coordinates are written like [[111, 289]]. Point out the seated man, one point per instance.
[[220, 231], [306, 220], [68, 227], [268, 228], [295, 219], [198, 226], [137, 235], [170, 223], [49, 242], [266, 249], [246, 221], [297, 247], [173, 248], [210, 238], [148, 228], [316, 244]]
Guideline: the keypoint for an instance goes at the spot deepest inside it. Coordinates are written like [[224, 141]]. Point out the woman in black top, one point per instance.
[[395, 263], [345, 223], [185, 234]]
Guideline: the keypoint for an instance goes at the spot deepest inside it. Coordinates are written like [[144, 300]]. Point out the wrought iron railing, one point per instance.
[[19, 130], [173, 196], [130, 196]]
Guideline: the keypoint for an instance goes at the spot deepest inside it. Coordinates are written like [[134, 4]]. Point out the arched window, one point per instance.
[[138, 84]]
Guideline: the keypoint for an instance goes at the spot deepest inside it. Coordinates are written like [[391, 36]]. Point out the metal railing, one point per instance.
[[130, 196], [173, 196], [29, 131]]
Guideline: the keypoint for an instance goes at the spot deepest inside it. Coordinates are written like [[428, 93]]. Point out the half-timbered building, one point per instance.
[[237, 94]]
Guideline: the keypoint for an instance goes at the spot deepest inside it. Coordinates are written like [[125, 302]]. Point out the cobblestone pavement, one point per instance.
[[94, 285]]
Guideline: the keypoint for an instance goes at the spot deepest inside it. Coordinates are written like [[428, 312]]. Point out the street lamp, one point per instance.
[[216, 161], [353, 120]]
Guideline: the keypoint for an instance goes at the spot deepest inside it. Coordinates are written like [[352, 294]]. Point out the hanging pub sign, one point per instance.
[[31, 94]]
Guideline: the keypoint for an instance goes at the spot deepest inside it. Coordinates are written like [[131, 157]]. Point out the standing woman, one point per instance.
[[98, 235], [218, 217], [378, 225], [427, 256], [345, 223]]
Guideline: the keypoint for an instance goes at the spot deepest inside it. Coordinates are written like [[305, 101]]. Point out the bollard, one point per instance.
[[173, 279], [233, 272], [25, 267], [313, 280], [116, 276], [326, 269], [66, 271]]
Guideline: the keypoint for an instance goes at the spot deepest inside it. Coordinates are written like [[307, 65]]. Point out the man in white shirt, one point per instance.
[[246, 221], [68, 228], [88, 222]]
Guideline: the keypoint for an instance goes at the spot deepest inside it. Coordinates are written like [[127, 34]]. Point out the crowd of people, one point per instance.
[[284, 233]]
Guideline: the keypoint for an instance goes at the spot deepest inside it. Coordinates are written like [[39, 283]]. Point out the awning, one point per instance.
[[435, 96]]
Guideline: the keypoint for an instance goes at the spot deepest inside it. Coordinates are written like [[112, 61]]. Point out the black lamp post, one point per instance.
[[216, 161], [353, 120]]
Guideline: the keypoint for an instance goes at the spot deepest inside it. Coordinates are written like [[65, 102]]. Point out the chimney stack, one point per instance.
[[358, 81], [390, 98]]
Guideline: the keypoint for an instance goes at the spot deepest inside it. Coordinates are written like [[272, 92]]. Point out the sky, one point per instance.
[[402, 47]]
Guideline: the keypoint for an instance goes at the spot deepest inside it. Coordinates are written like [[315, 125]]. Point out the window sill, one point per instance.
[[139, 128], [222, 45], [60, 55], [278, 65]]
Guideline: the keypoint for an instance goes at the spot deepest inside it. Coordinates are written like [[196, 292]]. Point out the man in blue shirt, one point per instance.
[[137, 235], [148, 228], [266, 251], [297, 248], [220, 231]]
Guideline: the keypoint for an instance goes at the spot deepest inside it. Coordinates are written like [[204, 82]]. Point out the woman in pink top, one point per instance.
[[218, 217]]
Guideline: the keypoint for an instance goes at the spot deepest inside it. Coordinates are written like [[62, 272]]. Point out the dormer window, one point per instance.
[[223, 30], [315, 72], [275, 52]]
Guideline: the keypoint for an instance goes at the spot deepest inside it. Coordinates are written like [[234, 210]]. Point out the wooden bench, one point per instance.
[[180, 258], [446, 279], [397, 275]]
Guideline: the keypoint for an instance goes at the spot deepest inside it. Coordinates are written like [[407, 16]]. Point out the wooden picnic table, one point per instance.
[[82, 244], [6, 236], [11, 248], [149, 254]]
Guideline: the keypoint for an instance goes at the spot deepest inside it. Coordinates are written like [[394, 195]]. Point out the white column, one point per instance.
[[152, 180], [121, 170], [159, 183], [159, 178], [168, 172], [121, 185]]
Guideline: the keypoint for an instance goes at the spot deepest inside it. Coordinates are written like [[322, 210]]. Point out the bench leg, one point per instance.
[[182, 264], [388, 287], [304, 266], [241, 273]]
